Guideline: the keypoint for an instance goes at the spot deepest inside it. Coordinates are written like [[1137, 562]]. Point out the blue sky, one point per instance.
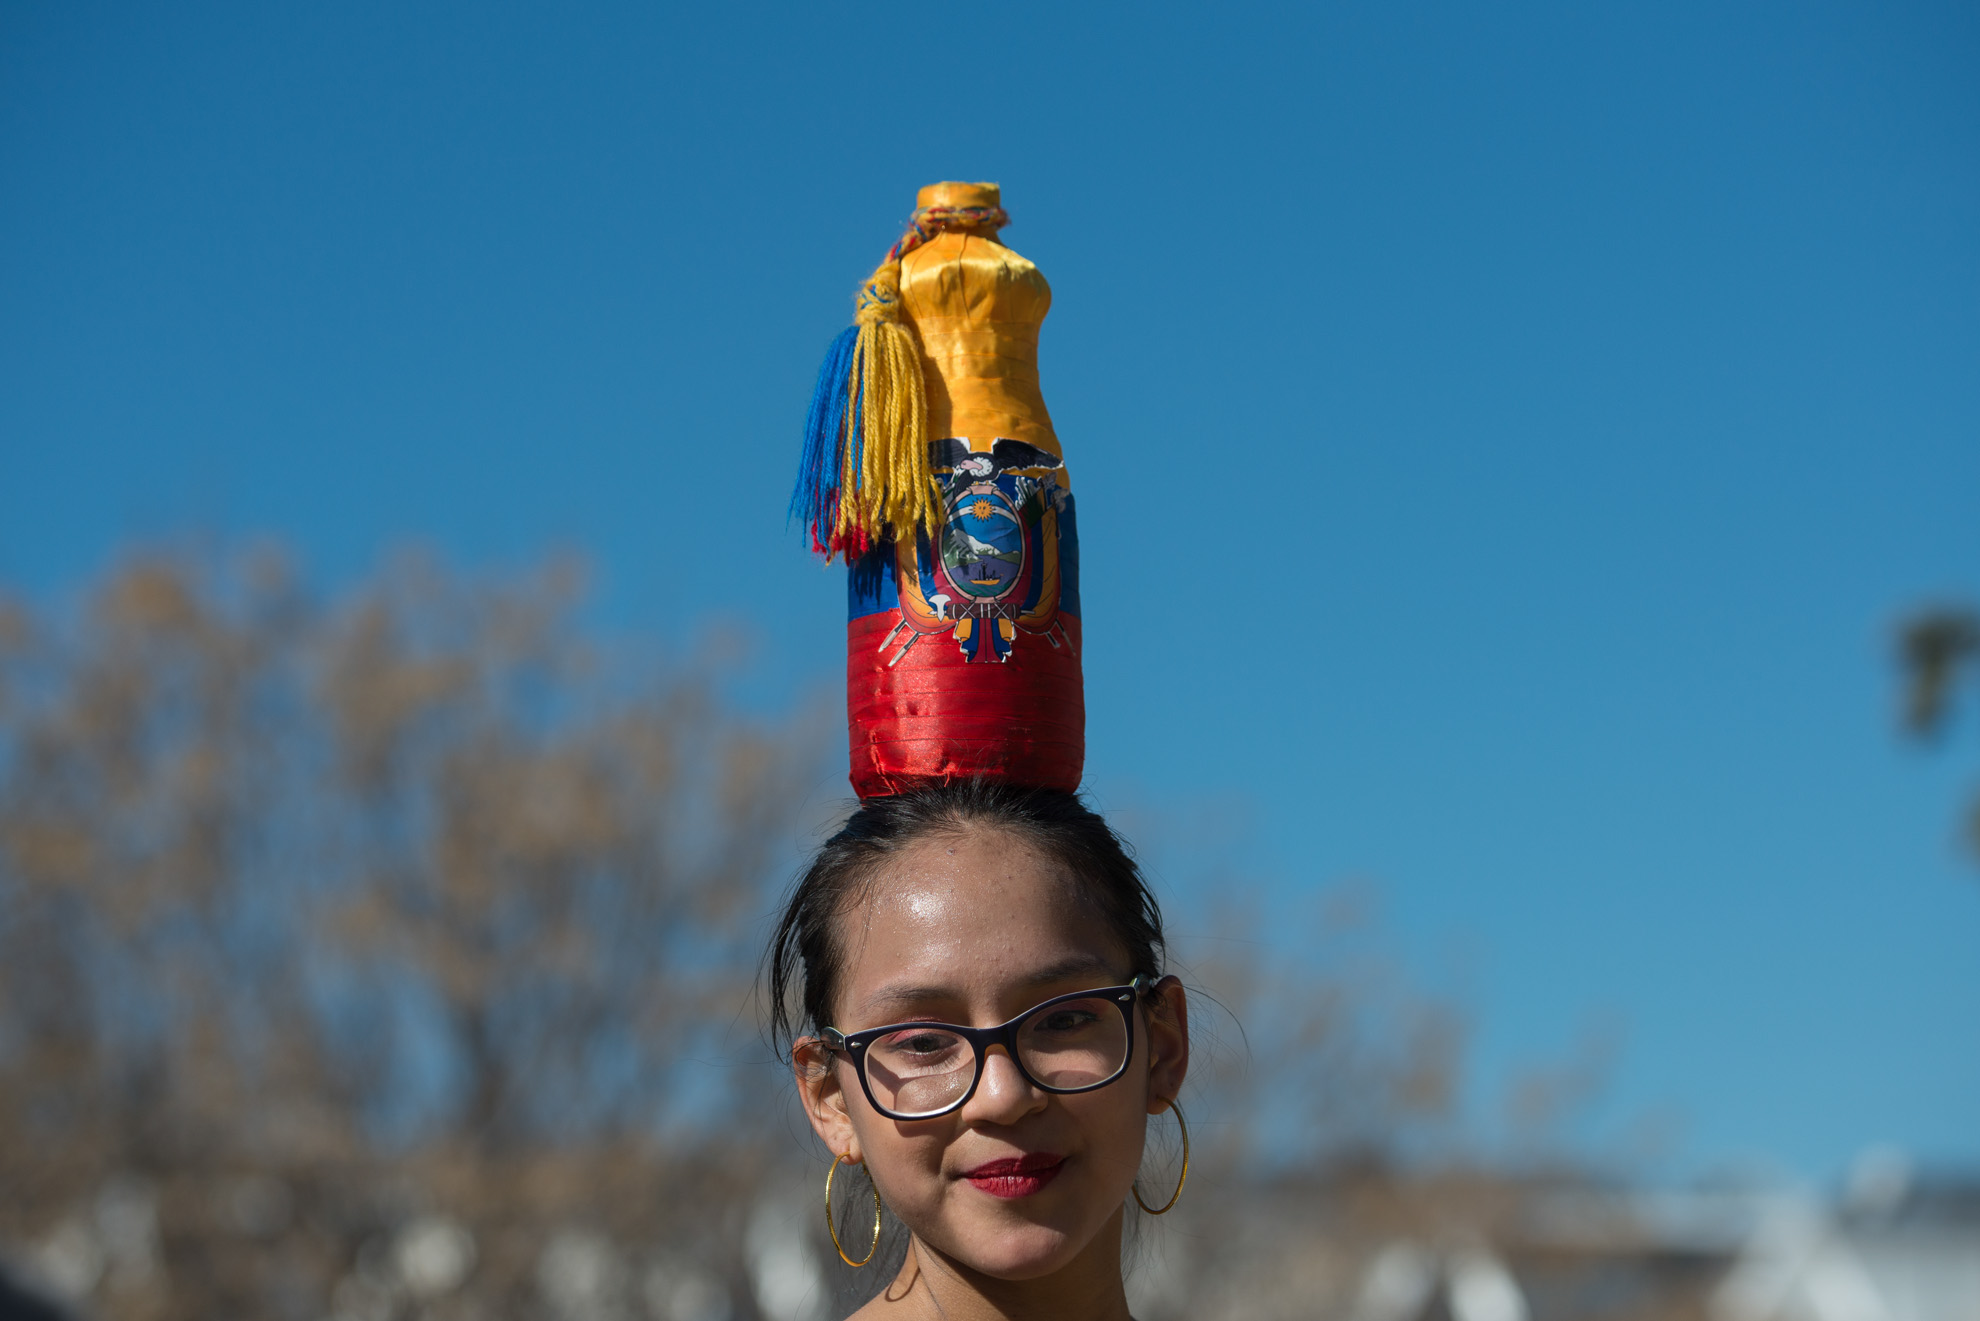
[[1544, 414]]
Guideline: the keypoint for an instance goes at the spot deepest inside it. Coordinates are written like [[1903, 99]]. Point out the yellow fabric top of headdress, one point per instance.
[[977, 308], [943, 346], [958, 195]]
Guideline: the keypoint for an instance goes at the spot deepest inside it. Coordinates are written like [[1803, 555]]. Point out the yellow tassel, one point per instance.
[[897, 491], [848, 515]]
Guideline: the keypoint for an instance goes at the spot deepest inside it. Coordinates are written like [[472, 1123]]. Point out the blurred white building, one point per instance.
[[1892, 1248]]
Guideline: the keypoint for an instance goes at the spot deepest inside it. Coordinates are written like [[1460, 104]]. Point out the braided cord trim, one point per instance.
[[929, 221]]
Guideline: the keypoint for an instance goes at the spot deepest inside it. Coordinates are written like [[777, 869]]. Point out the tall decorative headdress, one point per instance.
[[930, 464]]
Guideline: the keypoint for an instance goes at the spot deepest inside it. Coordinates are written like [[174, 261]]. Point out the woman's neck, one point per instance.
[[934, 1286]]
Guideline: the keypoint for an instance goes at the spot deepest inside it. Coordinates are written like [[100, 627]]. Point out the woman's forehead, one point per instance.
[[976, 880], [972, 913]]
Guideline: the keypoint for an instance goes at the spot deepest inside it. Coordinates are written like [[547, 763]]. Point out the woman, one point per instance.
[[970, 973], [973, 977]]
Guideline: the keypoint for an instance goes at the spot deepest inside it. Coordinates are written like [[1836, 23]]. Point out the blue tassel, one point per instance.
[[814, 501]]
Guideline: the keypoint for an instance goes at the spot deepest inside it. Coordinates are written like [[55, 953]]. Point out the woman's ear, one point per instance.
[[1168, 1043], [817, 1074]]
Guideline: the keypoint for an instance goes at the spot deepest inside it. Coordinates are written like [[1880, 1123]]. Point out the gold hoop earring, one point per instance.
[[833, 1229], [1177, 1194]]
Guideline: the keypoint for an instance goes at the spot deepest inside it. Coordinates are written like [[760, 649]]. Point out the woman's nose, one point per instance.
[[1003, 1095]]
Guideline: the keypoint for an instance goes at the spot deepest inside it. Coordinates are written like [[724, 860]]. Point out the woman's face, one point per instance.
[[974, 930]]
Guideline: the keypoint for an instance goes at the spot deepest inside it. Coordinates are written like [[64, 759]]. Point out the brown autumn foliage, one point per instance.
[[318, 917]]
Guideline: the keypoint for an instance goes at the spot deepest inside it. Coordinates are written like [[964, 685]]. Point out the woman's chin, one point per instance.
[[1022, 1265], [1026, 1253]]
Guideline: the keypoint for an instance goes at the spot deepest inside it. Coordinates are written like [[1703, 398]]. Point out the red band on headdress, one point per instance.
[[934, 716]]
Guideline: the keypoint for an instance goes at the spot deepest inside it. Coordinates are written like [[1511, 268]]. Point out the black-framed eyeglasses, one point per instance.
[[1070, 1043]]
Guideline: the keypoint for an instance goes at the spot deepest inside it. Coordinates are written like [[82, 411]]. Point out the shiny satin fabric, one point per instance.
[[934, 717], [977, 308]]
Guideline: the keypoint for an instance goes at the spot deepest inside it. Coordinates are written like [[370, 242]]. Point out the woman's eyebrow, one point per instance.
[[888, 997], [907, 996], [1071, 966]]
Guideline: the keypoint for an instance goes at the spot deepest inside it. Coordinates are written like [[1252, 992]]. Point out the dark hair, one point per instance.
[[1055, 823]]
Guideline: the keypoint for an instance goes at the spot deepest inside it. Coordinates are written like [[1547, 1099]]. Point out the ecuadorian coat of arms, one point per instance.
[[991, 571]]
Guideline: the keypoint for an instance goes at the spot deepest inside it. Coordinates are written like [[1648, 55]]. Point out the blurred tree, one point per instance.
[[349, 949], [390, 957], [1939, 649]]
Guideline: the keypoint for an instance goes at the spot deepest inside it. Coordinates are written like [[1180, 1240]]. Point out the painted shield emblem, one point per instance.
[[991, 570], [983, 543]]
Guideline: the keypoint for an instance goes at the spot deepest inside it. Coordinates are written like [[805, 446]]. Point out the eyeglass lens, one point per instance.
[[920, 1070]]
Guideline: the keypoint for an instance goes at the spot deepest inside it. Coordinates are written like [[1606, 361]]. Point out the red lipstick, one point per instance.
[[1016, 1176]]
